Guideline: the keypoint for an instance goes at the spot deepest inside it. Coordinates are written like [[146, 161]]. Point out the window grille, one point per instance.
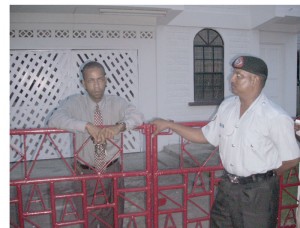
[[208, 68]]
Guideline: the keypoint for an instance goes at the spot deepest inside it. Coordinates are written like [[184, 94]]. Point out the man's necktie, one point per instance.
[[99, 147]]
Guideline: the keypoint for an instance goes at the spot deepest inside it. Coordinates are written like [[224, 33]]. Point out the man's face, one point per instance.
[[94, 81], [242, 82]]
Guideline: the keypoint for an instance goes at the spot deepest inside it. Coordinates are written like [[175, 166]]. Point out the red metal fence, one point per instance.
[[156, 195]]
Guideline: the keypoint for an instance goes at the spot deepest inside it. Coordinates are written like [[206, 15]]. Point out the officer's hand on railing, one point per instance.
[[161, 125]]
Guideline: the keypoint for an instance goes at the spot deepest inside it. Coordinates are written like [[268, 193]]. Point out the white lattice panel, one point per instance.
[[40, 79], [67, 33]]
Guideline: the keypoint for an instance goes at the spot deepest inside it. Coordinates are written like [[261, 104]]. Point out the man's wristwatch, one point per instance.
[[123, 126]]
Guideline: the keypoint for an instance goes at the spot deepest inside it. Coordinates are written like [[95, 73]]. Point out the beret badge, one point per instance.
[[239, 62]]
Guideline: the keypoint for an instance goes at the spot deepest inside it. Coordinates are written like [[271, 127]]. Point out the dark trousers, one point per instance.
[[102, 217], [249, 205]]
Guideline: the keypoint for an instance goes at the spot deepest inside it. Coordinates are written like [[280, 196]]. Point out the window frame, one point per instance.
[[201, 60]]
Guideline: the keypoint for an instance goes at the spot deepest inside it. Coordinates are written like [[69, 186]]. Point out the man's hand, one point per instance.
[[189, 133], [286, 165], [99, 135], [160, 125], [96, 133], [111, 131]]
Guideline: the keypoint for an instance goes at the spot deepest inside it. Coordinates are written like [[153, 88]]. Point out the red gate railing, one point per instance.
[[177, 195]]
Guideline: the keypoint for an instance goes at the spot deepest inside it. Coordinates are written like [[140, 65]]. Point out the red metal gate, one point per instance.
[[177, 196]]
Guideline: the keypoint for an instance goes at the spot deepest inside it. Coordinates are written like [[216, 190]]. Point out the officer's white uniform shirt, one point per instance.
[[256, 142]]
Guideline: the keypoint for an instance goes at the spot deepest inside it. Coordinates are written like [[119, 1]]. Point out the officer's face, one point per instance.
[[242, 82]]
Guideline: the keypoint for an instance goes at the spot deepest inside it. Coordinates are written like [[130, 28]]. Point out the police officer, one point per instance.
[[256, 143]]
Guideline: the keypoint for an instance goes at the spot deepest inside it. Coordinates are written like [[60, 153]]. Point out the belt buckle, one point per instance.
[[233, 179]]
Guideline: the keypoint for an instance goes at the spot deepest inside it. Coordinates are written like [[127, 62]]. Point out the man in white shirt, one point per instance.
[[256, 143]]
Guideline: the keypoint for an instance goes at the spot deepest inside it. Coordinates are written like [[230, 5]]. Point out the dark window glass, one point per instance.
[[208, 68]]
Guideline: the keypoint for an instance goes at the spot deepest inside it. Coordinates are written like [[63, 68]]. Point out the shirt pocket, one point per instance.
[[226, 136], [226, 132], [254, 140]]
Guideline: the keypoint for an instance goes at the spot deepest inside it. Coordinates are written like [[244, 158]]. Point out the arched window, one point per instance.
[[208, 68]]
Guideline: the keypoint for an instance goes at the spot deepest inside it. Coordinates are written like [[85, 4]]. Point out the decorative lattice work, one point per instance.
[[40, 79], [97, 34], [146, 35], [129, 34], [44, 33], [26, 33], [12, 33], [113, 34], [37, 82], [61, 33], [81, 33]]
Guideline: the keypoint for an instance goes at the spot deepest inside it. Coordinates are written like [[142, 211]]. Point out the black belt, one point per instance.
[[92, 167], [250, 179]]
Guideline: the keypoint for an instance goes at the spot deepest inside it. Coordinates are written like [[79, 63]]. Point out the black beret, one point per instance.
[[251, 64]]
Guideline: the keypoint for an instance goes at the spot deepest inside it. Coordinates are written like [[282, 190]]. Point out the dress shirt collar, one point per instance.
[[92, 103]]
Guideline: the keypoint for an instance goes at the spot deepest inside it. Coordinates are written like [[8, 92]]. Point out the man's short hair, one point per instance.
[[92, 64]]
